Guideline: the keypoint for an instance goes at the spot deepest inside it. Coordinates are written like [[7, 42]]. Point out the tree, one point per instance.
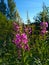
[[28, 19], [10, 9], [44, 15], [2, 7]]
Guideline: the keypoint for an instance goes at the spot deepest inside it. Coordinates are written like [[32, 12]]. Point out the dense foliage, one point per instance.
[[23, 44], [26, 48]]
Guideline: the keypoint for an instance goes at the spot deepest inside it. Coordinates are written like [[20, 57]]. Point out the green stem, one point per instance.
[[23, 63]]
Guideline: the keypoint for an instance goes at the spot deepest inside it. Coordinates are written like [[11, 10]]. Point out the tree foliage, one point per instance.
[[44, 15], [2, 7], [11, 9]]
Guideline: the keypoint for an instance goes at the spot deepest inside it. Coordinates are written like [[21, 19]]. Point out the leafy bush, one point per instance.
[[10, 54]]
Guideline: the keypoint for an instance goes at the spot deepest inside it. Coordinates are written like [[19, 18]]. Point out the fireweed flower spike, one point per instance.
[[25, 41], [21, 41], [43, 26], [16, 27]]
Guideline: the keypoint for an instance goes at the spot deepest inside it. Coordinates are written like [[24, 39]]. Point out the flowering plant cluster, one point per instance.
[[30, 45], [43, 26], [28, 30], [21, 41]]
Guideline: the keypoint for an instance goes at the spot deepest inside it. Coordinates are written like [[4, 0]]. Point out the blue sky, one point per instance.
[[32, 6]]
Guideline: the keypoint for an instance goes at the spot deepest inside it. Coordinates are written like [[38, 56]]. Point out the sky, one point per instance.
[[32, 6]]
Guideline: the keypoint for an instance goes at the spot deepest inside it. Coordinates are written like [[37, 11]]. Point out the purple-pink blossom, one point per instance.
[[16, 27], [46, 24], [18, 38], [21, 41], [43, 31], [43, 26], [26, 47], [24, 38], [30, 30]]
